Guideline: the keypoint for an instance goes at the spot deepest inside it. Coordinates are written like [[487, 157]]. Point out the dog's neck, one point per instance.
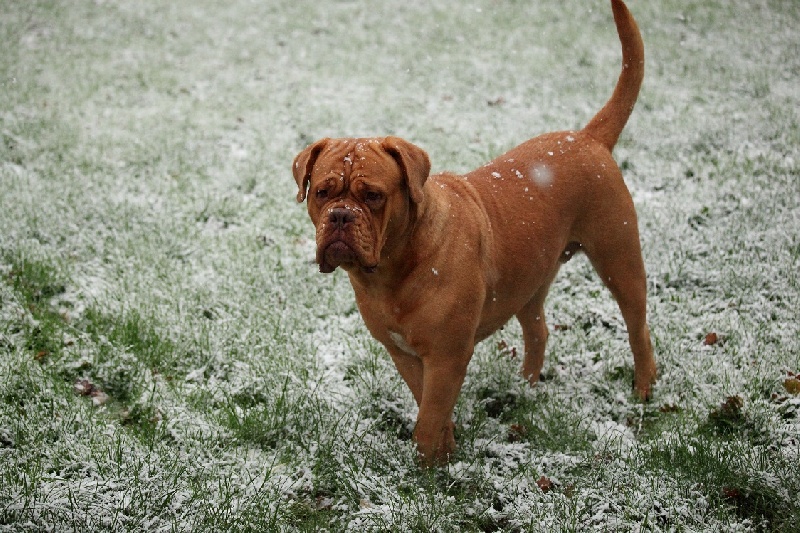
[[394, 265]]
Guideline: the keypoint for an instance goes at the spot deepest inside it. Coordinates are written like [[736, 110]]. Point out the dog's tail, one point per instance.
[[608, 123]]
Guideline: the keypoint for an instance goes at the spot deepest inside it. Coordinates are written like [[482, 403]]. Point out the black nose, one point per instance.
[[341, 217]]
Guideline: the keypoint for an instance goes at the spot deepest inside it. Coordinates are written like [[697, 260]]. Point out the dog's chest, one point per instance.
[[400, 342], [386, 318]]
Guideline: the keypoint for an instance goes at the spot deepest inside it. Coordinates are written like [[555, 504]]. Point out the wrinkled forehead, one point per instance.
[[357, 158]]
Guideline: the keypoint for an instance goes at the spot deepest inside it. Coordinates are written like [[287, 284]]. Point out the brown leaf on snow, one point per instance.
[[84, 387], [544, 484], [731, 493], [729, 413], [516, 432], [711, 339], [792, 385], [504, 347], [733, 404]]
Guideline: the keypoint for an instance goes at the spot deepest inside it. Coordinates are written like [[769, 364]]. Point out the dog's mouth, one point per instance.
[[339, 253], [336, 254]]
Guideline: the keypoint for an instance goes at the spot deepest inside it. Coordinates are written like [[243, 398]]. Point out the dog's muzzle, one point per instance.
[[337, 245]]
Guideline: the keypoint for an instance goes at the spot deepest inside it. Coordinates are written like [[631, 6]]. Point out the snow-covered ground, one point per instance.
[[170, 358]]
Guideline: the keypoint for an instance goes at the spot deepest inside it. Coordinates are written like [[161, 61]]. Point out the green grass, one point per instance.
[[170, 360]]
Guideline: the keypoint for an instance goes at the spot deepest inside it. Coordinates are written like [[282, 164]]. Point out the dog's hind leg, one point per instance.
[[618, 261]]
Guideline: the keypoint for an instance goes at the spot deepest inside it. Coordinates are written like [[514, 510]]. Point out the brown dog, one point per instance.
[[438, 263]]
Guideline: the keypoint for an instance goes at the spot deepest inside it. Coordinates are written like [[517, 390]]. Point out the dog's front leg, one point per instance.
[[410, 368], [442, 379]]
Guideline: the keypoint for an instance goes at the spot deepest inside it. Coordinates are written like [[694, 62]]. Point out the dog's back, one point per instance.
[[548, 195]]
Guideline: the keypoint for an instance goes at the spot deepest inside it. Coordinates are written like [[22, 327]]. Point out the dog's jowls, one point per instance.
[[440, 262]]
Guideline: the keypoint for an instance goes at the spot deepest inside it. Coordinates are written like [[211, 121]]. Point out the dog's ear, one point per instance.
[[413, 162], [303, 165]]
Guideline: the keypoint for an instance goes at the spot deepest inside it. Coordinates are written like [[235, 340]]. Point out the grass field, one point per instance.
[[171, 360]]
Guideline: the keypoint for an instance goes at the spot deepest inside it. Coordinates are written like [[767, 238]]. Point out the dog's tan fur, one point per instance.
[[438, 263]]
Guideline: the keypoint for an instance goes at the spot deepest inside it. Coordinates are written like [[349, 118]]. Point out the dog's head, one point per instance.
[[361, 193]]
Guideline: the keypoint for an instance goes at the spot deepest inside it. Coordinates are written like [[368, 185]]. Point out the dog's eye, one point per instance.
[[322, 193], [373, 197]]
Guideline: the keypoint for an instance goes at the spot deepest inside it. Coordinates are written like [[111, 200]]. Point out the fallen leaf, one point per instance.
[[792, 385], [731, 493], [516, 432], [729, 414], [504, 347], [733, 404], [777, 398], [711, 339], [84, 387], [544, 484]]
